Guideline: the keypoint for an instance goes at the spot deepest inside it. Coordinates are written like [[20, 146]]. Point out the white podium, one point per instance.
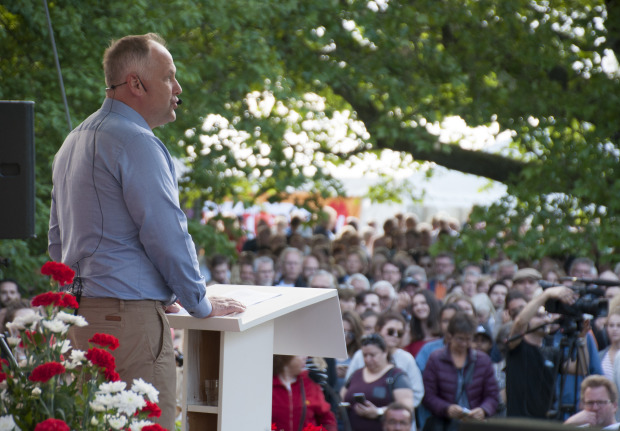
[[238, 350]]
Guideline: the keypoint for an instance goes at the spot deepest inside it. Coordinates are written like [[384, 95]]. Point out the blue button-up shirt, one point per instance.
[[115, 215]]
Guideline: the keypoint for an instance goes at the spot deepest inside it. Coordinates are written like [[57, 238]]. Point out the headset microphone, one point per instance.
[[179, 101]]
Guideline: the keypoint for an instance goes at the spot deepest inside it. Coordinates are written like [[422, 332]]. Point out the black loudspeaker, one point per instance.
[[16, 169], [515, 424]]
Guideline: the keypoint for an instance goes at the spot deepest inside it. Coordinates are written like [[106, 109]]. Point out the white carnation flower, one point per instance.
[[7, 423], [130, 402], [56, 326], [64, 346], [144, 388], [116, 422], [94, 422], [36, 391], [71, 319], [78, 356], [13, 341], [138, 425], [111, 387]]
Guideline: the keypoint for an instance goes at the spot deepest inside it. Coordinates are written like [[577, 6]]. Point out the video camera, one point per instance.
[[591, 300]]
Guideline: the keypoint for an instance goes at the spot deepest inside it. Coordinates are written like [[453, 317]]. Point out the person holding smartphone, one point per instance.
[[371, 388]]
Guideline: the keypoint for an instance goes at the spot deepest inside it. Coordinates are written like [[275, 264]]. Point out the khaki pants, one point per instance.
[[145, 348]]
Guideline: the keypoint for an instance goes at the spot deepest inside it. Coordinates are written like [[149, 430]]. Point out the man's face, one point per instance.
[[162, 88], [515, 306], [596, 399], [498, 296], [581, 270], [527, 286], [444, 266], [391, 273], [311, 266], [371, 302], [469, 285], [397, 420], [220, 273], [8, 292], [353, 264], [385, 300], [265, 274], [246, 274], [292, 266]]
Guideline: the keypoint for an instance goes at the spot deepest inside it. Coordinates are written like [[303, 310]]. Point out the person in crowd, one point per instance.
[[245, 269], [291, 268], [599, 402], [443, 270], [610, 359], [526, 281], [386, 293], [391, 327], [323, 280], [582, 267], [369, 321], [506, 269], [397, 417], [15, 310], [485, 312], [464, 302], [404, 298], [370, 389], [392, 272], [10, 291], [367, 301], [359, 283], [497, 294], [353, 332], [424, 324], [483, 340], [265, 271], [219, 266], [515, 303], [459, 381], [310, 266], [531, 366], [346, 298], [446, 313], [469, 282], [129, 245], [356, 262], [297, 401], [261, 242], [418, 273]]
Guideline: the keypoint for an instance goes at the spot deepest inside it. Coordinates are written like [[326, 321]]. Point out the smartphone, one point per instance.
[[359, 397], [466, 411]]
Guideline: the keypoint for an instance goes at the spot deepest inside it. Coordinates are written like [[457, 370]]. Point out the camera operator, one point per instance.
[[531, 367]]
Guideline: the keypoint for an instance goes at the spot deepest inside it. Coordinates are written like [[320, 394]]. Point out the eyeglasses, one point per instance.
[[395, 333], [597, 403]]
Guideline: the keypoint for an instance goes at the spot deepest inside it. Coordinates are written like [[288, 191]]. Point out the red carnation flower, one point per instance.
[[152, 409], [274, 427], [52, 425], [154, 427], [111, 375], [105, 340], [59, 272], [46, 371], [101, 357], [3, 375], [68, 301]]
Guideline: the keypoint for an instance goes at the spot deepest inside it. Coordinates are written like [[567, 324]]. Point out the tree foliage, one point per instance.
[[275, 90]]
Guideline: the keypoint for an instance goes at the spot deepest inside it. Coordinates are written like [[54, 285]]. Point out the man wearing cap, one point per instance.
[[526, 280]]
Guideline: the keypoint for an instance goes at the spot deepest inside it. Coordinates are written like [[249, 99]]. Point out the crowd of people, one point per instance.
[[446, 340], [430, 341]]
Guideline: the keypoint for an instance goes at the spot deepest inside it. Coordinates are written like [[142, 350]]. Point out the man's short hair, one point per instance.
[[217, 260], [462, 323], [128, 54], [596, 381], [397, 406], [512, 295], [387, 284], [323, 273], [260, 260], [361, 277], [586, 261]]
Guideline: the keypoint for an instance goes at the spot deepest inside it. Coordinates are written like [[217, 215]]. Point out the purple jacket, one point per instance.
[[441, 381]]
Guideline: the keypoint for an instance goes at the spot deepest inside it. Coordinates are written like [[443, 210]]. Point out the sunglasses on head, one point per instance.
[[394, 333]]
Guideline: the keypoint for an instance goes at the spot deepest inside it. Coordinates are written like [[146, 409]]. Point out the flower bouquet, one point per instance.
[[45, 385]]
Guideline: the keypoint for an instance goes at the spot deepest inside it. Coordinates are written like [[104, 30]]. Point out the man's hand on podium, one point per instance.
[[223, 306]]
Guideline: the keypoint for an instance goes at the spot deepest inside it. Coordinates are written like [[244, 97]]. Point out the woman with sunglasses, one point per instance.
[[459, 381], [372, 388], [391, 327]]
